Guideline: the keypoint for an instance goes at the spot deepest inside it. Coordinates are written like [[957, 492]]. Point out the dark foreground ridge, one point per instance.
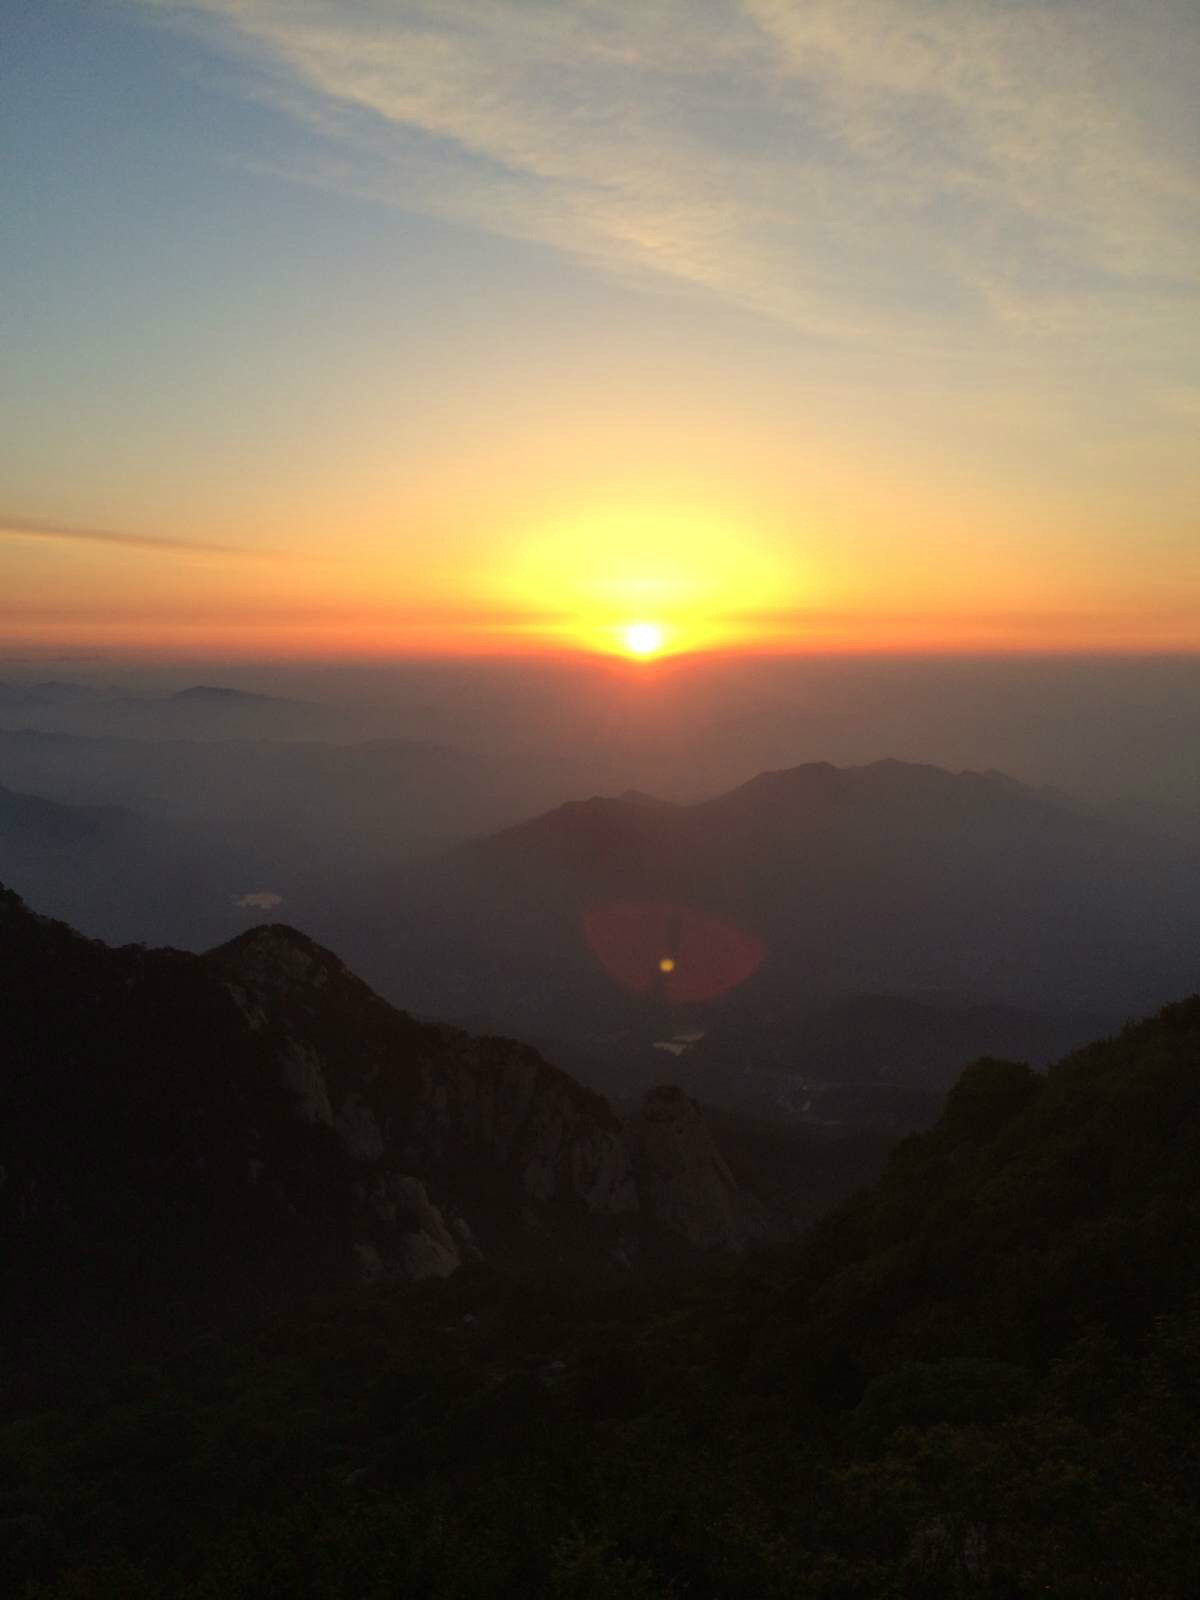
[[192, 1138], [978, 1378]]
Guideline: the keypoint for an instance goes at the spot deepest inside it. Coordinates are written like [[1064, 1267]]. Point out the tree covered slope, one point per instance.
[[979, 1378]]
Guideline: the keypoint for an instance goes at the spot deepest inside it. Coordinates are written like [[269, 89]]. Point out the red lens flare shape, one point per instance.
[[689, 955]]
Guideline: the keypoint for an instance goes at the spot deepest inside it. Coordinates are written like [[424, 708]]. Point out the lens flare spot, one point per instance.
[[710, 957]]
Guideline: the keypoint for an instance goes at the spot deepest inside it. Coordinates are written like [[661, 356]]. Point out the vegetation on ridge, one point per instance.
[[978, 1378]]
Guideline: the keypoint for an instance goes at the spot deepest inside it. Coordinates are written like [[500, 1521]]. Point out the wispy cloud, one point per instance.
[[28, 528], [989, 178], [258, 900]]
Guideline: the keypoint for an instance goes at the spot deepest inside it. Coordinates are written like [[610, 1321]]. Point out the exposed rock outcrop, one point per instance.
[[503, 1098], [424, 1246], [683, 1181], [489, 1100], [408, 1098]]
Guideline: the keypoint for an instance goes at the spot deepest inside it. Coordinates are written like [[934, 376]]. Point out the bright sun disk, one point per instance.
[[643, 638]]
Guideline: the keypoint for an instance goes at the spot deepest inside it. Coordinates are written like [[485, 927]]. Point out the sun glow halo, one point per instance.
[[643, 581], [643, 638]]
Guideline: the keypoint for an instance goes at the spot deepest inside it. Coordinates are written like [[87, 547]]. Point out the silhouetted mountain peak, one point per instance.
[[580, 833], [639, 797], [214, 695], [889, 778], [776, 808], [278, 955]]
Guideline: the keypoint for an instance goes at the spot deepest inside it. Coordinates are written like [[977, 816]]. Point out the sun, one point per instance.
[[643, 638]]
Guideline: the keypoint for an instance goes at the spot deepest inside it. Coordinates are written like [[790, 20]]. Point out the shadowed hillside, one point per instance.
[[208, 1136], [977, 1379]]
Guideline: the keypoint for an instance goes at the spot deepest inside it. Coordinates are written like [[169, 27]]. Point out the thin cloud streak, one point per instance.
[[29, 528], [954, 182]]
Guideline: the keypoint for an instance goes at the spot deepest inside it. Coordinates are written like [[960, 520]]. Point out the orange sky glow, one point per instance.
[[312, 360]]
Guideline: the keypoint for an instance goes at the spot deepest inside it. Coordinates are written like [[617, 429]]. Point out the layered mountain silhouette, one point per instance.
[[204, 711], [112, 870], [793, 892], [339, 788], [218, 818]]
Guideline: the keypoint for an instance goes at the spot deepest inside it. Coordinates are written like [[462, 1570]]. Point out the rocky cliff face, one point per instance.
[[243, 1123], [433, 1124], [490, 1103], [683, 1181]]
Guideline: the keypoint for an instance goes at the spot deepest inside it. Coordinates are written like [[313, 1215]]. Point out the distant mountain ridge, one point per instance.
[[103, 865], [794, 807], [888, 878], [206, 711], [202, 693], [301, 816], [63, 692]]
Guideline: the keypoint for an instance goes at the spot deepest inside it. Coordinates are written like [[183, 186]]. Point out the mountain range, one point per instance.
[[613, 920], [828, 944], [201, 711]]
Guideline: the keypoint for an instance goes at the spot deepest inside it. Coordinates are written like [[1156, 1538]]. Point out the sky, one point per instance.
[[370, 328]]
